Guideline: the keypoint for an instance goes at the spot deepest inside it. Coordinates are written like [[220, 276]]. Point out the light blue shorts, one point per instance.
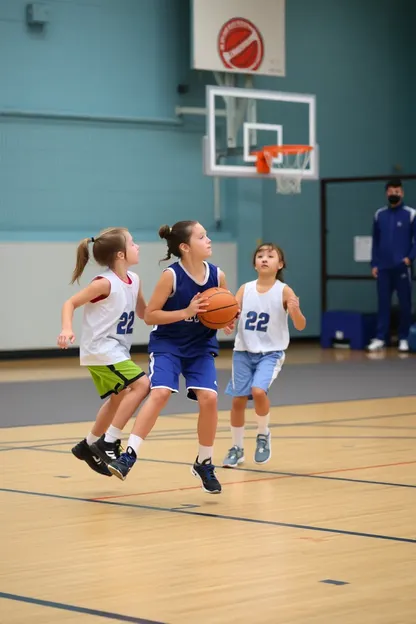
[[254, 370]]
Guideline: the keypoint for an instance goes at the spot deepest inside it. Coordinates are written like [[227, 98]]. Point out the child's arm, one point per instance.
[[239, 296], [141, 303], [291, 304], [223, 280], [97, 288], [154, 315]]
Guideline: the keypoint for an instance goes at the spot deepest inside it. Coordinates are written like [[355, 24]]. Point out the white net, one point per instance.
[[295, 161]]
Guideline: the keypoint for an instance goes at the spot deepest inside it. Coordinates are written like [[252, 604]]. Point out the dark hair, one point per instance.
[[105, 248], [280, 254], [175, 236], [395, 182]]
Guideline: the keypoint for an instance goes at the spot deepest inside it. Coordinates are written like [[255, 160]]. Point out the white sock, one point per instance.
[[91, 438], [113, 434], [263, 424], [135, 442], [205, 452], [238, 436]]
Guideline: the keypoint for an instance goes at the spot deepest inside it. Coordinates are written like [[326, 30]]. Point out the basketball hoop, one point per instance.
[[294, 159]]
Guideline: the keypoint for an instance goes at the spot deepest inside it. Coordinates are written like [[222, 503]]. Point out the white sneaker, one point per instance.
[[403, 346], [376, 344]]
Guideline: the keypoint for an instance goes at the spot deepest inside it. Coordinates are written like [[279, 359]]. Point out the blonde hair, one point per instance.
[[105, 248]]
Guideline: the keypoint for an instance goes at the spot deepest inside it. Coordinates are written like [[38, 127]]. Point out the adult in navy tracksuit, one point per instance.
[[393, 251]]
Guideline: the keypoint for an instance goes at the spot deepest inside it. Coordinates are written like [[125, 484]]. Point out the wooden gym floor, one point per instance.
[[325, 532]]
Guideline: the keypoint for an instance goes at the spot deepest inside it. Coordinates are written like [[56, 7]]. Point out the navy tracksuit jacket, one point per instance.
[[394, 238]]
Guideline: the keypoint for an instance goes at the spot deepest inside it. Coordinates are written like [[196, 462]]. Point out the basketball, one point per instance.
[[221, 310]]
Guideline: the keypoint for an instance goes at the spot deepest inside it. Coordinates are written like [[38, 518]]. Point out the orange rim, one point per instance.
[[275, 150], [263, 156]]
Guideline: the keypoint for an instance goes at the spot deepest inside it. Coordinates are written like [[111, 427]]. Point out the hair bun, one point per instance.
[[164, 231]]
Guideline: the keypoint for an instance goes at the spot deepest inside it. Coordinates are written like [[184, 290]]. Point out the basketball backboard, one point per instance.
[[240, 121], [239, 36]]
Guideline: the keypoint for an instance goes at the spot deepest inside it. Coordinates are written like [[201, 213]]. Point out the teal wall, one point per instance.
[[355, 56], [116, 64]]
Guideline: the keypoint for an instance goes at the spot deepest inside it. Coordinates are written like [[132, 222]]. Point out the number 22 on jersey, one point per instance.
[[257, 322], [125, 323]]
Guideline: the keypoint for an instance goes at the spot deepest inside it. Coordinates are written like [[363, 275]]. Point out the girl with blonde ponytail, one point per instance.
[[111, 301]]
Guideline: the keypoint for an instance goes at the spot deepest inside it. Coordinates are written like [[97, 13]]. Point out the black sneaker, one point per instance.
[[206, 472], [121, 467], [107, 451], [83, 451]]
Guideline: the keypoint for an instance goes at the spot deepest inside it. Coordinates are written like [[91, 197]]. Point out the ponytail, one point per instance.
[[176, 235], [83, 256]]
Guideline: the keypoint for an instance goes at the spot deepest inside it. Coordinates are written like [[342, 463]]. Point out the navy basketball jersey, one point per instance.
[[185, 338]]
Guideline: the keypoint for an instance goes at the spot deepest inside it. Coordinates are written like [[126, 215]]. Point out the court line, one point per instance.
[[271, 425], [188, 512], [272, 472], [378, 427], [174, 438], [188, 487], [317, 475], [274, 478], [67, 607]]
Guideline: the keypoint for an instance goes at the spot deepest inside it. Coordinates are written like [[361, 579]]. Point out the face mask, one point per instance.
[[394, 199]]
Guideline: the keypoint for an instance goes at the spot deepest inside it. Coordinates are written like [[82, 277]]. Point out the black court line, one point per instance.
[[248, 426], [183, 437], [187, 512], [172, 437], [338, 420], [255, 470], [75, 609], [292, 474]]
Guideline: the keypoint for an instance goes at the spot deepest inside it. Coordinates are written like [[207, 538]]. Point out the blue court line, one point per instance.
[[292, 474], [50, 440], [337, 420], [272, 425], [186, 512], [67, 607], [173, 437], [250, 470], [176, 437]]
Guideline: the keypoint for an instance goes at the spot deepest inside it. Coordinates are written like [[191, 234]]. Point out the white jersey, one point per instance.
[[107, 326], [263, 323]]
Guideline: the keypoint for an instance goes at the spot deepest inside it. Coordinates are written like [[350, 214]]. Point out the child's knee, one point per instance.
[[258, 393], [206, 398], [160, 396], [140, 387], [240, 401], [144, 383]]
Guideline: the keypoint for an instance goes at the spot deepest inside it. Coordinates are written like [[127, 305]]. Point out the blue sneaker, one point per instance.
[[234, 457], [263, 448], [206, 472], [121, 467]]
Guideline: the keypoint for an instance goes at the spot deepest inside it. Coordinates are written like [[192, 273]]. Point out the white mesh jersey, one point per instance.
[[107, 325], [263, 324]]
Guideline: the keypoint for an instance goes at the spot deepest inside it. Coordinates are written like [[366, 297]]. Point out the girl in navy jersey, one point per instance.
[[259, 349], [111, 302], [180, 344]]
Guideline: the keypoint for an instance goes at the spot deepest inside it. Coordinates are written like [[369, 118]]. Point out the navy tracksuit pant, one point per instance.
[[399, 280]]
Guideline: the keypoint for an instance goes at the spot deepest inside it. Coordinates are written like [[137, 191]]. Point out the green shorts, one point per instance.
[[114, 378]]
